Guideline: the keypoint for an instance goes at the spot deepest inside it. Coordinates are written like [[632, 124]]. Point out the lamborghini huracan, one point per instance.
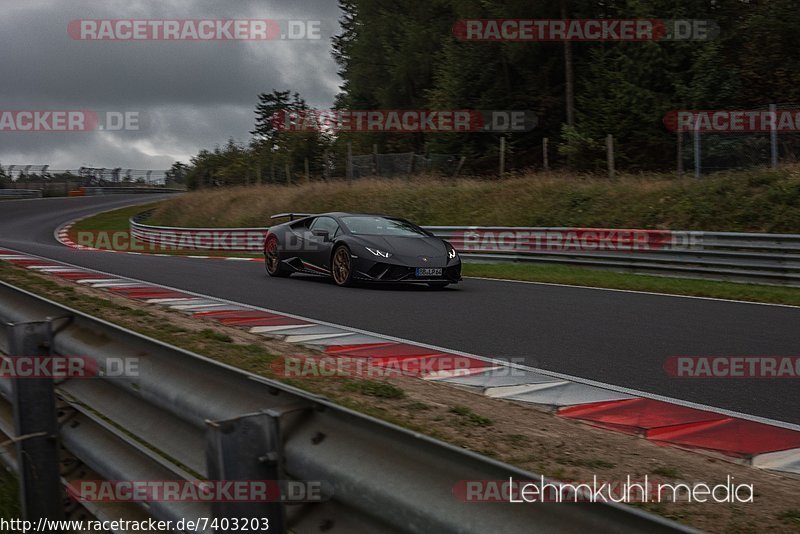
[[355, 247]]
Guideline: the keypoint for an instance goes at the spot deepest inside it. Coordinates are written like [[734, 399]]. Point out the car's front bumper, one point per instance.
[[375, 271]]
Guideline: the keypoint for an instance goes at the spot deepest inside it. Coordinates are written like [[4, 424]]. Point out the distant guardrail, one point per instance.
[[184, 418], [728, 256], [20, 193], [92, 191]]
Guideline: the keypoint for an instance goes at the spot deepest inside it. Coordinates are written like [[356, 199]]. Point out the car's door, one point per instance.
[[322, 233]]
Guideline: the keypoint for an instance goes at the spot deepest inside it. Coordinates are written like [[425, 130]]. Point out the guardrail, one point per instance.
[[739, 257], [184, 417], [20, 193], [91, 191]]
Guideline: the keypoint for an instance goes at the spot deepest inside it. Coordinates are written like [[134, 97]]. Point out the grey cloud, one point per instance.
[[193, 94]]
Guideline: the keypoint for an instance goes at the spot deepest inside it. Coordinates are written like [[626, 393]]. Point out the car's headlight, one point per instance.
[[380, 253]]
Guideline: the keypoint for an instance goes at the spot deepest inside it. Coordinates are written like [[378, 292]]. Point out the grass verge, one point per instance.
[[580, 276]]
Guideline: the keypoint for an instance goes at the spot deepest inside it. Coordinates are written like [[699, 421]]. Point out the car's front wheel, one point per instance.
[[272, 259], [342, 266]]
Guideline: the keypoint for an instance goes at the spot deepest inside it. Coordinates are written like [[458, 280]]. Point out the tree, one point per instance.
[[177, 173]]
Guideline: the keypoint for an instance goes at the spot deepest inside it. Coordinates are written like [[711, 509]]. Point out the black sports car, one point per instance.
[[352, 247]]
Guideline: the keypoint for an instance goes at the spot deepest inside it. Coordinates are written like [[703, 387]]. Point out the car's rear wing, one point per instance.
[[291, 216]]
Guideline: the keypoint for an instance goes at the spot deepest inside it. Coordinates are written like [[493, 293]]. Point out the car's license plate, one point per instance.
[[426, 272]]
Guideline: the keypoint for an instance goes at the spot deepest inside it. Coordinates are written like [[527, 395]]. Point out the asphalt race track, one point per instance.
[[615, 337]]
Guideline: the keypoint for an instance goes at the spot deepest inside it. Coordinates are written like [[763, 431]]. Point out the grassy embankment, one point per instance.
[[757, 201]]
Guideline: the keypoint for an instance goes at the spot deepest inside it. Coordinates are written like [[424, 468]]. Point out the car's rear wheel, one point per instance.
[[342, 266], [272, 258], [438, 285]]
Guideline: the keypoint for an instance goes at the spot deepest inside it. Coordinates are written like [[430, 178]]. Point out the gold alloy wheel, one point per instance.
[[272, 256], [341, 266]]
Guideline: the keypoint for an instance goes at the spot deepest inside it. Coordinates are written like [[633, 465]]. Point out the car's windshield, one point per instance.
[[371, 225]]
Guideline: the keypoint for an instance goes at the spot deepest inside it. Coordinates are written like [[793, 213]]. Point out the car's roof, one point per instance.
[[348, 214]]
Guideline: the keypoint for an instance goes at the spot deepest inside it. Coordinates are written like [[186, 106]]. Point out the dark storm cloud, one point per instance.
[[191, 95]]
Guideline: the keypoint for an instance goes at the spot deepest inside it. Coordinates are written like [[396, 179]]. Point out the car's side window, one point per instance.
[[325, 223]]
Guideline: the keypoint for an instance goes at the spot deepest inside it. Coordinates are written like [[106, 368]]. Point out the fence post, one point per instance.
[[773, 136], [36, 426], [349, 163], [375, 159], [325, 163], [697, 159], [460, 165], [545, 160], [680, 154], [308, 177], [610, 155], [288, 174], [502, 156]]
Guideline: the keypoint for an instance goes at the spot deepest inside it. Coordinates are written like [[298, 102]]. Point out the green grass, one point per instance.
[[213, 335], [417, 406], [383, 390], [592, 463], [9, 498], [579, 276], [468, 417], [792, 517], [669, 472], [112, 221]]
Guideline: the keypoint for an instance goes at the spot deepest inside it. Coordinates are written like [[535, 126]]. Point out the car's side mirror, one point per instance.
[[324, 234]]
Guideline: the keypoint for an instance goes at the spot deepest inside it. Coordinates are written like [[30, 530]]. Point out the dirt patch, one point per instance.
[[518, 434]]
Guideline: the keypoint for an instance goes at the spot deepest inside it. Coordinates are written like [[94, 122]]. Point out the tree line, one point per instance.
[[404, 55]]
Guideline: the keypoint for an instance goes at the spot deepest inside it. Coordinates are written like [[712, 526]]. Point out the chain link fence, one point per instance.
[[702, 152], [404, 164], [88, 176], [59, 182]]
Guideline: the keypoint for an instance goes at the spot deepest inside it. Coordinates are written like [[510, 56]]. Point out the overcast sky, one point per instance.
[[190, 95]]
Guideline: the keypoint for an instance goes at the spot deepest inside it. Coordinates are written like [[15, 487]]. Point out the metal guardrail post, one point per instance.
[[247, 448], [36, 426]]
